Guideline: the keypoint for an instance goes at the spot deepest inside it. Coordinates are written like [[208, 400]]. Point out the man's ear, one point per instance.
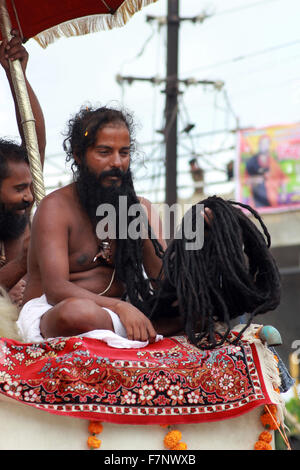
[[77, 159]]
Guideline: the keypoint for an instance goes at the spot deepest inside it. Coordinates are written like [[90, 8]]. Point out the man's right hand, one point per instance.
[[13, 50], [16, 293], [138, 327]]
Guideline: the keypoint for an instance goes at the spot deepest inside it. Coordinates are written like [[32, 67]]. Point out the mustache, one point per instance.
[[115, 172], [23, 205], [16, 207]]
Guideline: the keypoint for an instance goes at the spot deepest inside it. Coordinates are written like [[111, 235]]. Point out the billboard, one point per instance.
[[268, 168]]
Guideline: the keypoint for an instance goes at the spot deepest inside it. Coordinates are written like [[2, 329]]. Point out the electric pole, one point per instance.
[[171, 108], [172, 82]]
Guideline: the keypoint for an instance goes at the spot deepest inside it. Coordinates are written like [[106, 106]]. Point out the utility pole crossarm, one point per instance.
[[158, 80]]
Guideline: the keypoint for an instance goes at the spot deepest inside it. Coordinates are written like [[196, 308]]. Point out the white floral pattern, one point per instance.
[[171, 378]]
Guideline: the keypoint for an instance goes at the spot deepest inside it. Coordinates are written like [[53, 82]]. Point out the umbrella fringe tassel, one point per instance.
[[93, 23]]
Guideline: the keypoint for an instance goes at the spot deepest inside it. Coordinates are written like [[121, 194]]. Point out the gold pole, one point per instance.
[[27, 118], [294, 371]]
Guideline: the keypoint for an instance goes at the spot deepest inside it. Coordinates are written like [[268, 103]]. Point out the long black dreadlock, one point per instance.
[[233, 274], [129, 260]]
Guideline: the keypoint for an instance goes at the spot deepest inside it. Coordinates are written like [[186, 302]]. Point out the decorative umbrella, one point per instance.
[[45, 22]]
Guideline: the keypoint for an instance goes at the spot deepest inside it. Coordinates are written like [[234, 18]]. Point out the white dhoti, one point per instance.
[[28, 325]]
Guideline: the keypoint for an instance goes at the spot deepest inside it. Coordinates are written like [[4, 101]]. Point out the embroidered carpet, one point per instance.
[[164, 383]]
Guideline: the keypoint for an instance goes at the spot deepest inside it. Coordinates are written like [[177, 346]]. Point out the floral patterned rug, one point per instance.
[[167, 382]]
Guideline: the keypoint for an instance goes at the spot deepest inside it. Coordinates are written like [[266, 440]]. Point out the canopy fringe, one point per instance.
[[92, 24], [268, 365]]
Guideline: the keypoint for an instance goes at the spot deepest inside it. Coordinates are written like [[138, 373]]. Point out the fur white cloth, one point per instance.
[[8, 315], [28, 326]]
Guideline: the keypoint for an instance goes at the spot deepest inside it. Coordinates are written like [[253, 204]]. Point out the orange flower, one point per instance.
[[271, 408], [95, 427], [93, 442], [265, 436], [262, 445], [172, 439], [180, 446], [268, 421]]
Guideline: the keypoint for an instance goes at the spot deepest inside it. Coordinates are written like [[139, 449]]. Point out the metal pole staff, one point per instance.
[[27, 118]]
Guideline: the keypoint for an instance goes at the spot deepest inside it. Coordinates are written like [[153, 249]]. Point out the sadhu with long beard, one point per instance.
[[76, 283], [134, 286]]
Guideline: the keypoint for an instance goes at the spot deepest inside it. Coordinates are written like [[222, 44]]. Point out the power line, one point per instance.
[[250, 5], [246, 56], [265, 68], [269, 86]]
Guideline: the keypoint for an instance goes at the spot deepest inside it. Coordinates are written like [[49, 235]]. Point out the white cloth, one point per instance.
[[28, 325]]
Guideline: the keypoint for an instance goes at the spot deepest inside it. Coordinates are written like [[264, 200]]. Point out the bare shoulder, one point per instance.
[[151, 209], [146, 203], [58, 205], [153, 218]]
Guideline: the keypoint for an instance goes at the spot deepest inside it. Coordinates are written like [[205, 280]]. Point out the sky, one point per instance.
[[253, 46]]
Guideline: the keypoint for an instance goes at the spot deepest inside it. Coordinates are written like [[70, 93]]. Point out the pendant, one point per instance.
[[104, 252]]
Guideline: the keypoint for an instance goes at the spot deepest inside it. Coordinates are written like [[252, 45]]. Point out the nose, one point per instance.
[[116, 161], [27, 195]]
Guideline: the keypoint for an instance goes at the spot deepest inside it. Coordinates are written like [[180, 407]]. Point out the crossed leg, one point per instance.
[[74, 316]]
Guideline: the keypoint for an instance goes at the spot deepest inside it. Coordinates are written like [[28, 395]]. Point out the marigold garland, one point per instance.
[[271, 409], [262, 445], [265, 436], [95, 427], [268, 421], [93, 442], [180, 446], [172, 439]]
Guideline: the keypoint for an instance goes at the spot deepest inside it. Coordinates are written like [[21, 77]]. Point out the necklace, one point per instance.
[[105, 253], [109, 285]]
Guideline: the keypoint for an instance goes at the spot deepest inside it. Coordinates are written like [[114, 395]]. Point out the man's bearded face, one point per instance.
[[92, 191], [15, 201], [12, 223]]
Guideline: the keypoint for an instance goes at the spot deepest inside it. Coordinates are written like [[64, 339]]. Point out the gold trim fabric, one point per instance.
[[92, 24]]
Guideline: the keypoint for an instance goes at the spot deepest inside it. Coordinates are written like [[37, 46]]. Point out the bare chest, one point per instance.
[[86, 250]]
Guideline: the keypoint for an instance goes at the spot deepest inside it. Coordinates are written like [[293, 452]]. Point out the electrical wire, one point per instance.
[[246, 56], [250, 5], [141, 51]]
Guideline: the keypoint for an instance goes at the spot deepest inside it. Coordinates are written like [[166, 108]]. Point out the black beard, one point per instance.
[[12, 225], [92, 193]]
